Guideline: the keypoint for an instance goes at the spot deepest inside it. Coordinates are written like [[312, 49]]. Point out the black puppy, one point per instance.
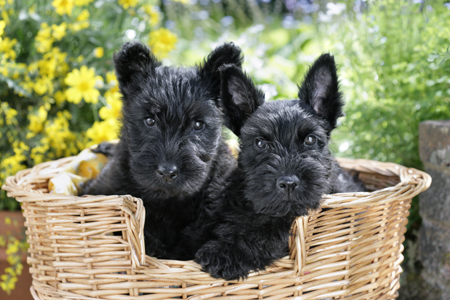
[[285, 167], [171, 153]]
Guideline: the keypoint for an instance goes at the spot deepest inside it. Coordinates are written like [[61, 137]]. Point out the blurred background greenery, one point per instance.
[[59, 94]]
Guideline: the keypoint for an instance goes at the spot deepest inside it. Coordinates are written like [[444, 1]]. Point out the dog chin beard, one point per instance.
[[275, 211]]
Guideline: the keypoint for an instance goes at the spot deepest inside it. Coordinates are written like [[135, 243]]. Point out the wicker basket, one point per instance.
[[351, 250]]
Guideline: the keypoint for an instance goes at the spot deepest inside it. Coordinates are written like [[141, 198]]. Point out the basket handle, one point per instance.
[[297, 243], [135, 210]]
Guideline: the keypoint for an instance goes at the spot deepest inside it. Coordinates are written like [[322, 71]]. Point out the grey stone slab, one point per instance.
[[434, 142], [434, 238], [435, 202]]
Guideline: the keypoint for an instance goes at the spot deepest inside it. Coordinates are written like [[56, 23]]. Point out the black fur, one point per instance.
[[171, 153], [285, 167]]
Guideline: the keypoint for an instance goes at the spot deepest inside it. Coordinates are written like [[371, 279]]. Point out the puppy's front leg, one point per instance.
[[225, 260], [234, 256]]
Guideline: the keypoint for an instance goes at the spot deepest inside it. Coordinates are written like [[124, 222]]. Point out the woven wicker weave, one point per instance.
[[350, 250]]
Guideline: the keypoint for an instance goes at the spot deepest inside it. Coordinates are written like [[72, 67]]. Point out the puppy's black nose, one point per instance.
[[167, 172], [288, 183]]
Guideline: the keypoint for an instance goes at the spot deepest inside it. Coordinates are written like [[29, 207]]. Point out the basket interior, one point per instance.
[[374, 181]]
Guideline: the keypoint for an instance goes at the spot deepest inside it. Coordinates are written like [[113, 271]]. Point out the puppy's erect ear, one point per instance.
[[240, 97], [320, 89], [133, 63], [227, 53]]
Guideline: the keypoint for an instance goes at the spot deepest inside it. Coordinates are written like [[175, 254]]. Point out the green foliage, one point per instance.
[[441, 57], [388, 83], [393, 78]]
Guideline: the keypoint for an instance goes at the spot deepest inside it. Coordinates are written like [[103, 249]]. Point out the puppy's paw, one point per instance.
[[222, 260], [105, 148]]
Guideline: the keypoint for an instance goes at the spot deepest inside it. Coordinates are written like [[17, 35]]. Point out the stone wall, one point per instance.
[[434, 239]]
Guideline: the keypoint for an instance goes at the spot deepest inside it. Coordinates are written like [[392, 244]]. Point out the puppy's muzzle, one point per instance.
[[287, 184], [167, 172]]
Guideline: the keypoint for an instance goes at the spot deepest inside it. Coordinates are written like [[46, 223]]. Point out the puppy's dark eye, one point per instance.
[[310, 140], [198, 125], [260, 144], [149, 122]]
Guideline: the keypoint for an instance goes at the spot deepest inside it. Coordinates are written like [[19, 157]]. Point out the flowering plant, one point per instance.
[[14, 249], [58, 90]]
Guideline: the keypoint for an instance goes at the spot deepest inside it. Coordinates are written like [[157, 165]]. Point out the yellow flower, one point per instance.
[[10, 270], [11, 114], [153, 13], [82, 22], [113, 92], [78, 26], [99, 84], [19, 269], [38, 153], [114, 108], [111, 78], [162, 41], [13, 164], [8, 283], [82, 84], [33, 67], [60, 97], [6, 47], [2, 27], [128, 3], [12, 248], [82, 2], [103, 131], [23, 147], [7, 220], [3, 2], [59, 31], [50, 67], [4, 65], [83, 16], [98, 52], [32, 9], [182, 1], [37, 120], [53, 65], [5, 16], [12, 260], [58, 136], [56, 54], [44, 40], [43, 85], [63, 6], [40, 87], [47, 67]]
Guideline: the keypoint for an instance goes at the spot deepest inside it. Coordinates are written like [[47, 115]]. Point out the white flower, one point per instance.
[[335, 8]]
